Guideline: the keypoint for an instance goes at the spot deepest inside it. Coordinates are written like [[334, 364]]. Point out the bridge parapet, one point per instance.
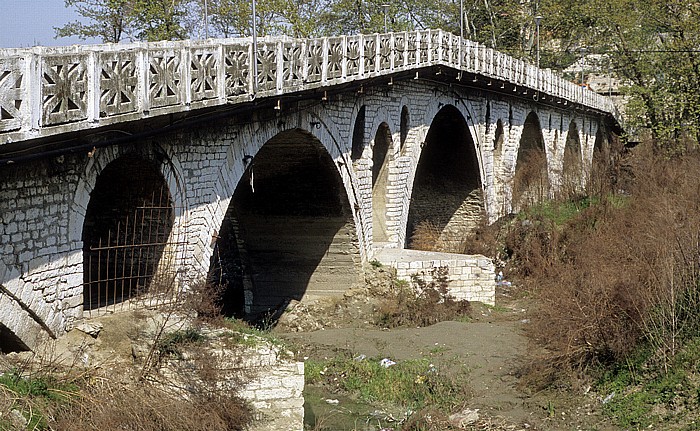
[[48, 91]]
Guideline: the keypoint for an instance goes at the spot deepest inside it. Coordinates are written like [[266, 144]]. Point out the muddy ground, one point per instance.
[[491, 347]]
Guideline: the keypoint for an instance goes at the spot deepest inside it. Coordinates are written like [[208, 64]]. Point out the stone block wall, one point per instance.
[[274, 386], [471, 277]]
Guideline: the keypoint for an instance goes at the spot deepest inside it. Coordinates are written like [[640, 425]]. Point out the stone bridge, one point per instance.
[[129, 173]]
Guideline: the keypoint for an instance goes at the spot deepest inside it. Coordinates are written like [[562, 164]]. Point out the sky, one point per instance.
[[25, 23]]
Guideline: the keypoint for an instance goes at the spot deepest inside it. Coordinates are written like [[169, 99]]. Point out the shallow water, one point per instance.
[[345, 415]]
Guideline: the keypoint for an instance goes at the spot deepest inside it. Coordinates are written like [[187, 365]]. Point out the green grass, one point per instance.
[[649, 394], [33, 394], [171, 342], [561, 212], [412, 384]]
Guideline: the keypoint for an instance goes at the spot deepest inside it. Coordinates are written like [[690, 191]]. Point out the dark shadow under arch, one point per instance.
[[405, 125], [530, 182], [446, 200], [9, 342], [126, 229], [288, 231], [358, 135]]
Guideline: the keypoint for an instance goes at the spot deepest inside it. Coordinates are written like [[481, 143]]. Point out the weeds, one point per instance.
[[427, 301], [411, 384], [615, 279]]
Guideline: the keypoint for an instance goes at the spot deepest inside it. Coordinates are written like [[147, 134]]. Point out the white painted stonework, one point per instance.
[[43, 200]]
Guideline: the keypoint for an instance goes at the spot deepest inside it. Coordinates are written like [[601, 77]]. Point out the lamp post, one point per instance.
[[255, 51], [461, 19], [385, 6], [583, 59], [206, 19], [538, 18]]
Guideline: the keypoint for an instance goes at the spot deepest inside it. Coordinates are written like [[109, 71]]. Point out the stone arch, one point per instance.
[[171, 173], [446, 200], [531, 178], [288, 231], [381, 156], [126, 230], [405, 125], [572, 164], [358, 135], [498, 144]]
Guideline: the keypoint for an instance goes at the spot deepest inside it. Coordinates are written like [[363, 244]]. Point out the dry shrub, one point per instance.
[[426, 236], [530, 183], [623, 272], [106, 406], [425, 302]]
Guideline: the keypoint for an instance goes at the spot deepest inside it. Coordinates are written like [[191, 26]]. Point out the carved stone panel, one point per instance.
[[63, 89], [437, 49], [237, 65], [204, 83], [164, 78], [424, 45], [413, 53], [384, 52], [353, 55], [314, 54], [267, 67], [118, 83], [293, 66], [399, 49], [370, 54], [335, 57], [12, 87], [466, 55], [451, 44]]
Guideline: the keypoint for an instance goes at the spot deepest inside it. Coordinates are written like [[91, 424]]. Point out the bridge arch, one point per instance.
[[382, 154], [530, 182], [446, 198], [357, 145], [288, 231], [127, 225], [572, 163], [112, 185]]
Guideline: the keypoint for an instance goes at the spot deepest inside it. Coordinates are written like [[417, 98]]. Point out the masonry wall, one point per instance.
[[275, 388], [469, 277], [43, 202]]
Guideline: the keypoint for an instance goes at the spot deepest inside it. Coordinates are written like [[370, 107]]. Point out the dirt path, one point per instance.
[[487, 351], [490, 348]]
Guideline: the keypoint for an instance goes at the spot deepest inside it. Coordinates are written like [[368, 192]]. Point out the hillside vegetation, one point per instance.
[[614, 281]]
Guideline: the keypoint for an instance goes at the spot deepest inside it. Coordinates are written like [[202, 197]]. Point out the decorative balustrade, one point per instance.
[[46, 91]]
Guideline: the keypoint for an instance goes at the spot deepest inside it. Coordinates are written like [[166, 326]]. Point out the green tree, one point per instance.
[[108, 20]]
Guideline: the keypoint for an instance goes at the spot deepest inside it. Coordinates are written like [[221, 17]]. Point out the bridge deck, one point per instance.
[[50, 91]]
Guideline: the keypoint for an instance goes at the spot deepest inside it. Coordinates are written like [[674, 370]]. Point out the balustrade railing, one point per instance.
[[49, 90]]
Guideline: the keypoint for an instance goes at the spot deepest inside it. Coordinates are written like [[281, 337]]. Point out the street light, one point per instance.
[[538, 18], [461, 18], [206, 19], [583, 60], [386, 11], [255, 52]]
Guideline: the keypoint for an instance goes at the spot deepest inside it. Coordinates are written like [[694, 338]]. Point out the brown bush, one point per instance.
[[425, 302], [621, 273], [107, 406], [426, 236]]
